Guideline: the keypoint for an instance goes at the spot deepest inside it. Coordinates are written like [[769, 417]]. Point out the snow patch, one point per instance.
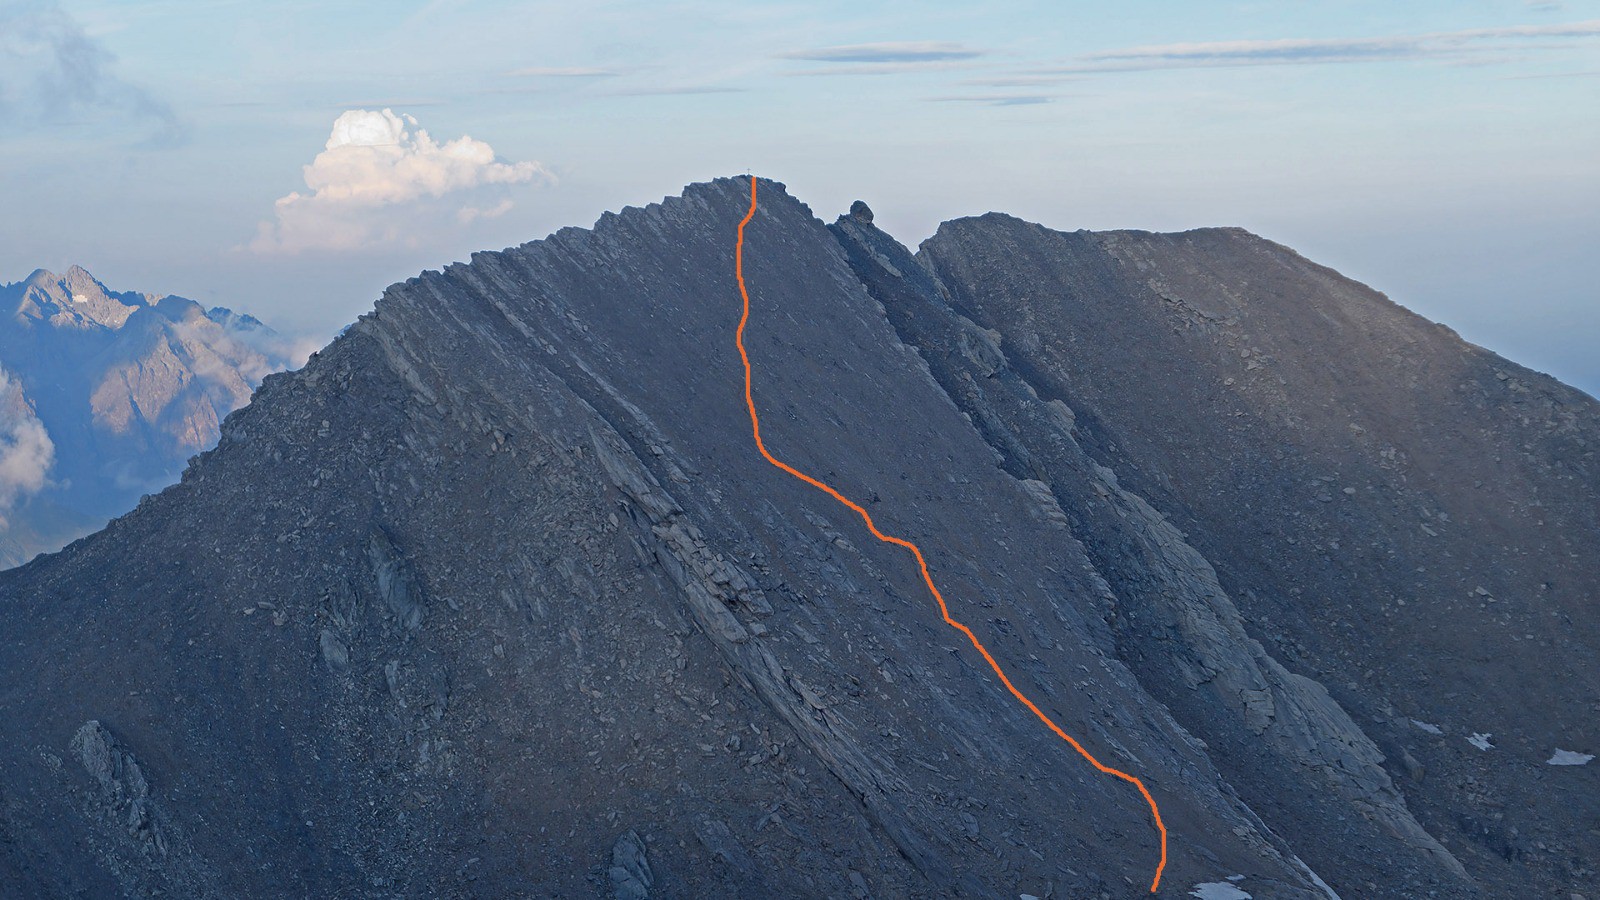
[[79, 298], [1218, 890], [1569, 758], [1481, 741], [1429, 727], [1317, 880]]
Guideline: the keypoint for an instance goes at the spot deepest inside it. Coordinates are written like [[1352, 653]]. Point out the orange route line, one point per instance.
[[755, 427]]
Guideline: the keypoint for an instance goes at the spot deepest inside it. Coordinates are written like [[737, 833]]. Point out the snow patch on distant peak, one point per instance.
[[1481, 741], [1569, 758], [79, 298], [1429, 727]]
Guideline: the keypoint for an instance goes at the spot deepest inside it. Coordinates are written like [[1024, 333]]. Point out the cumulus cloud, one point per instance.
[[26, 451], [378, 179], [51, 71]]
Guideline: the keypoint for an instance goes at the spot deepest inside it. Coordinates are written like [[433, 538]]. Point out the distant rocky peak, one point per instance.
[[234, 321], [74, 300], [180, 309], [79, 279]]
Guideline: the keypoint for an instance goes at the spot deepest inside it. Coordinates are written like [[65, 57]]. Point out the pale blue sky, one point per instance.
[[1445, 153]]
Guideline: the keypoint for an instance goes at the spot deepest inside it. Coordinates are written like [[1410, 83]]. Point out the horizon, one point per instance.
[[320, 342], [1435, 154]]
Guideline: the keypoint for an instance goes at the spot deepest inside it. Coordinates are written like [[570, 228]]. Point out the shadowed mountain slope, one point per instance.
[[1408, 518], [495, 597]]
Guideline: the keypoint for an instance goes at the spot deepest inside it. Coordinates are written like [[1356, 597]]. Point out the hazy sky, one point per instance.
[[1447, 153]]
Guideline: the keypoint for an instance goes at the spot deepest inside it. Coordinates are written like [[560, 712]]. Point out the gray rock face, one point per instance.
[[1409, 519], [119, 821], [119, 778], [630, 869], [104, 395], [1203, 664], [499, 576], [397, 584]]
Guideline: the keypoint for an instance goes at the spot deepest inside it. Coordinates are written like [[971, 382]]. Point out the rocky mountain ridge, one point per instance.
[[495, 596]]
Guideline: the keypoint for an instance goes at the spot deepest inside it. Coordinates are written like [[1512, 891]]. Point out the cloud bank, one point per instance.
[[382, 179], [26, 451], [888, 52], [884, 58], [562, 72], [243, 345], [51, 71], [1466, 45], [996, 99]]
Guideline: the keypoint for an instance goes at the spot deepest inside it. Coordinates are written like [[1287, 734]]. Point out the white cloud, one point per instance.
[[469, 214], [379, 179], [26, 451]]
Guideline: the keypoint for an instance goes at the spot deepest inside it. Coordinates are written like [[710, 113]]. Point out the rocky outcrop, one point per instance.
[[631, 878], [142, 851], [123, 789]]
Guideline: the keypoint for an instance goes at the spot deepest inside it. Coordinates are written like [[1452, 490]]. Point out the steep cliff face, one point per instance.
[[125, 387], [496, 597]]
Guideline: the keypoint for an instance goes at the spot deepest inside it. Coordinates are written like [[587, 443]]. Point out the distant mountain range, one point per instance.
[[105, 394]]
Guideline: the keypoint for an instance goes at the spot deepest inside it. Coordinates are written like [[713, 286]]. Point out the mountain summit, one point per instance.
[[496, 596], [74, 300]]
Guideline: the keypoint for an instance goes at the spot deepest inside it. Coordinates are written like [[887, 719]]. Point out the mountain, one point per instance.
[[108, 393], [497, 597]]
